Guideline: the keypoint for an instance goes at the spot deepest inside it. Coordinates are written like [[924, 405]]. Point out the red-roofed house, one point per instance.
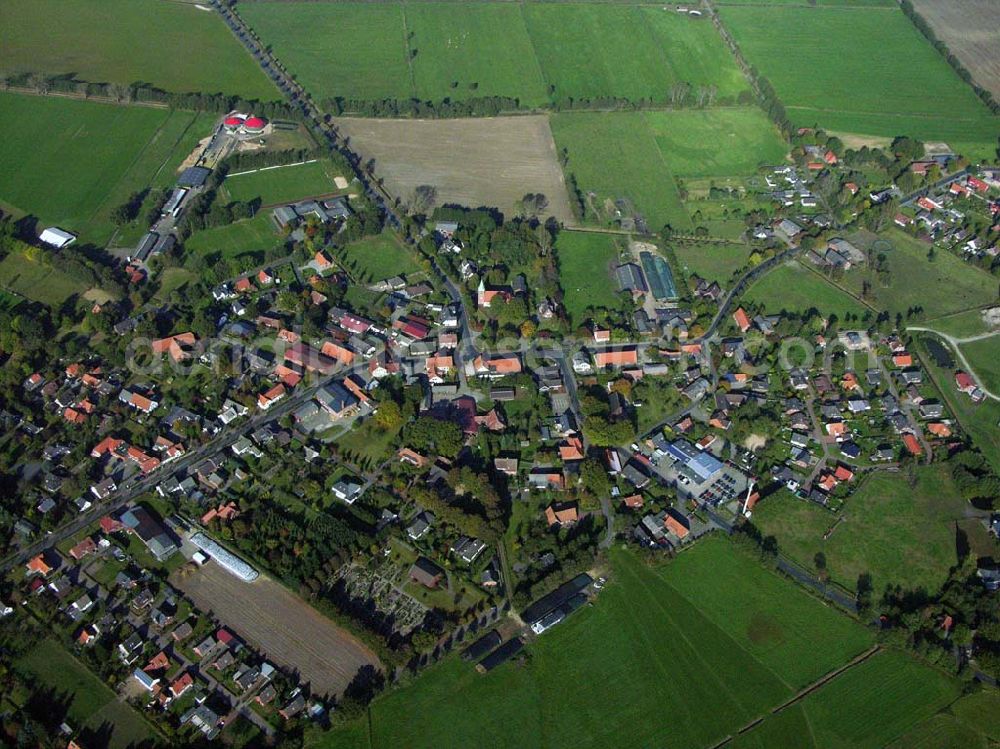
[[912, 444], [82, 549], [626, 357], [927, 204], [939, 429], [178, 346], [965, 383], [634, 502], [181, 684], [265, 277], [74, 417], [341, 354], [830, 157], [977, 184], [902, 360], [37, 565], [572, 449], [268, 399], [412, 327], [243, 285], [111, 525], [323, 261], [561, 514], [499, 365], [108, 445], [742, 319], [843, 473]]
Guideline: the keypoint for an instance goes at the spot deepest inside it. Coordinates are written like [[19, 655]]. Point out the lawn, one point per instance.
[[34, 274], [794, 288], [173, 46], [379, 257], [670, 649], [586, 265], [984, 358], [886, 513], [250, 235], [593, 50], [92, 703], [615, 156], [71, 162], [821, 62], [711, 261], [960, 325], [725, 142], [945, 285], [282, 185]]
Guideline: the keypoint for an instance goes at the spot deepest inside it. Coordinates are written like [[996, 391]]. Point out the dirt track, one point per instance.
[[492, 161], [281, 626]]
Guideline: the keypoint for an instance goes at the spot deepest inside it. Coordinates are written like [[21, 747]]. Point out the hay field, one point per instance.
[[281, 625], [492, 161], [173, 46], [864, 70], [971, 29]]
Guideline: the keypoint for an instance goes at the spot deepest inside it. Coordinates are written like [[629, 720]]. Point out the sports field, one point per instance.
[[378, 258], [534, 52], [859, 70], [885, 513], [174, 46], [946, 285], [984, 358], [615, 157], [795, 288], [92, 704], [70, 163], [586, 266], [671, 650], [490, 161], [282, 184]]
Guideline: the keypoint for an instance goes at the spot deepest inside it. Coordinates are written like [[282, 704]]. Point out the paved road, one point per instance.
[[955, 344]]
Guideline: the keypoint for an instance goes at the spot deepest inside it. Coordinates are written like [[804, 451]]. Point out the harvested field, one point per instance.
[[493, 161], [971, 29], [281, 625]]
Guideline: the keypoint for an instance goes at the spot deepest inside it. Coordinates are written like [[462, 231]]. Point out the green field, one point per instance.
[[946, 285], [282, 185], [960, 325], [984, 358], [586, 266], [592, 50], [250, 235], [886, 513], [72, 162], [859, 70], [439, 50], [472, 49], [615, 156], [378, 258], [34, 274], [711, 261], [671, 646], [173, 46], [722, 142], [794, 288], [92, 704]]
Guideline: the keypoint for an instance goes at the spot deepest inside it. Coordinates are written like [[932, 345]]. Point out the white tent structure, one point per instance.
[[56, 237]]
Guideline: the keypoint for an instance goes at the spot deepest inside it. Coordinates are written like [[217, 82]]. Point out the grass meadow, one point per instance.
[[282, 185], [711, 261], [615, 156], [378, 258], [70, 163], [585, 272], [943, 286], [670, 648], [886, 512], [535, 52], [91, 703], [33, 274], [861, 69], [173, 46], [794, 288], [250, 235]]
